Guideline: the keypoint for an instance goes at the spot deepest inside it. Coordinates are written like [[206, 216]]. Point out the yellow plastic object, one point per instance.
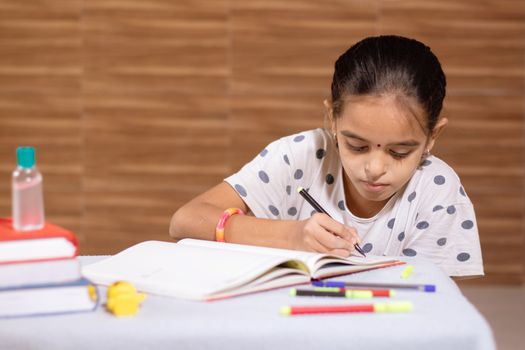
[[93, 294], [123, 299], [407, 272]]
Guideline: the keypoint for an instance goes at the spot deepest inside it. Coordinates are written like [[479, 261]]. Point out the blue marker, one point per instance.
[[338, 284]]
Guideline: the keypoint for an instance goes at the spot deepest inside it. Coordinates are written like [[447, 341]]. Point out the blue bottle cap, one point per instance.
[[25, 157]]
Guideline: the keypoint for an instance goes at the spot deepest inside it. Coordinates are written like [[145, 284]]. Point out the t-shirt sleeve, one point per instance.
[[448, 235], [266, 183]]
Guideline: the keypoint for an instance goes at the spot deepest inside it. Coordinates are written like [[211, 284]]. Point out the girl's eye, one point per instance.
[[399, 155], [357, 148], [361, 149]]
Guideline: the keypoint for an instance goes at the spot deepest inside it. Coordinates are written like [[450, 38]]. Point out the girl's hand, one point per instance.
[[320, 233]]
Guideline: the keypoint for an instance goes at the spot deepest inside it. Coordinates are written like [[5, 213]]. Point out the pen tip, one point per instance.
[[299, 189]]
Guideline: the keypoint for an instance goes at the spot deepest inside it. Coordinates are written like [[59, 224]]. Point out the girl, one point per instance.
[[372, 171]]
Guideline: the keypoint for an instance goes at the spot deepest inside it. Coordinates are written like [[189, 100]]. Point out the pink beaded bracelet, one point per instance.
[[219, 229]]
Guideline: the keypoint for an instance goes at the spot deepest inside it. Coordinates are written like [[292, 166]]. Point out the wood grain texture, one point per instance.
[[137, 106], [480, 43], [282, 62], [481, 46], [155, 99], [40, 101]]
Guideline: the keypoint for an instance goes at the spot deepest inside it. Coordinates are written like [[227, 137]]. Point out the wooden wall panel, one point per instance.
[[282, 64], [155, 108], [481, 46], [259, 119], [40, 102], [480, 43], [137, 106]]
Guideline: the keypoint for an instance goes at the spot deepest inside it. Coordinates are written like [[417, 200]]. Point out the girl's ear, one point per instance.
[[438, 129], [329, 116]]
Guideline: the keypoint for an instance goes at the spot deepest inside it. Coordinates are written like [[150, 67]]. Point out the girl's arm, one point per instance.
[[198, 219]]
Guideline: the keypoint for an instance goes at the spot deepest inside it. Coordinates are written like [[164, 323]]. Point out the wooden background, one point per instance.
[[137, 106]]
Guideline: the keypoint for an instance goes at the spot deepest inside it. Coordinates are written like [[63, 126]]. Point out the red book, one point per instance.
[[50, 243]]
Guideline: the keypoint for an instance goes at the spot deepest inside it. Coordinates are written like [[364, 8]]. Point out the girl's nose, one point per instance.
[[375, 167]]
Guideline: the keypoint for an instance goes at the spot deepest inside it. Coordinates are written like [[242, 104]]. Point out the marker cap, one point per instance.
[[430, 288], [400, 306], [286, 310]]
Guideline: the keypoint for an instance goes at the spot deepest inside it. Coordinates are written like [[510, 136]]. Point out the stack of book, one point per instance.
[[40, 273]]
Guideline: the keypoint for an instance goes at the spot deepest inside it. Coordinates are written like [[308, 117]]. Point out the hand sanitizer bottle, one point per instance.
[[27, 196]]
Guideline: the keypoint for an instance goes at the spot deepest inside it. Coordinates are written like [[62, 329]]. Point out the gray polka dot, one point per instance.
[[241, 190], [401, 236], [298, 138], [264, 177], [391, 222], [442, 241], [320, 153], [463, 256], [367, 247], [411, 196], [437, 207], [439, 180], [451, 209], [286, 160], [462, 191], [298, 174], [263, 152], [426, 162], [329, 179], [409, 252], [292, 211], [341, 205], [273, 210], [422, 225], [467, 224], [289, 189]]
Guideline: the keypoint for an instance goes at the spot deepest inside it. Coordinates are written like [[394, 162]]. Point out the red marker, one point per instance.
[[392, 307]]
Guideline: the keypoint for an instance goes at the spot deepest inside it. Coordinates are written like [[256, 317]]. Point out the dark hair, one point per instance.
[[390, 64]]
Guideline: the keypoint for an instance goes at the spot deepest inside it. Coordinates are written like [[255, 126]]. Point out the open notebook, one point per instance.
[[206, 270]]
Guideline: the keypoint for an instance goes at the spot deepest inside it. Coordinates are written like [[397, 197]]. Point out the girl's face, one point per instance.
[[381, 144]]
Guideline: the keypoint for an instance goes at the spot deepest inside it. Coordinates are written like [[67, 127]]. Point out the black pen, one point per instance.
[[320, 209]]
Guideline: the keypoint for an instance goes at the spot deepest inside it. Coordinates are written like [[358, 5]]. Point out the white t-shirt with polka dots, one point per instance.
[[431, 217]]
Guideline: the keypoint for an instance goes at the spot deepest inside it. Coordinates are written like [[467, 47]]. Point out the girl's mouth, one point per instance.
[[374, 186]]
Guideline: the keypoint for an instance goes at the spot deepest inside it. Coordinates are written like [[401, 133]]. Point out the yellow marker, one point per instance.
[[407, 272], [123, 299]]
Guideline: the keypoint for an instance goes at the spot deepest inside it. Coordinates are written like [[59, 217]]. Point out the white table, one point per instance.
[[441, 320]]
